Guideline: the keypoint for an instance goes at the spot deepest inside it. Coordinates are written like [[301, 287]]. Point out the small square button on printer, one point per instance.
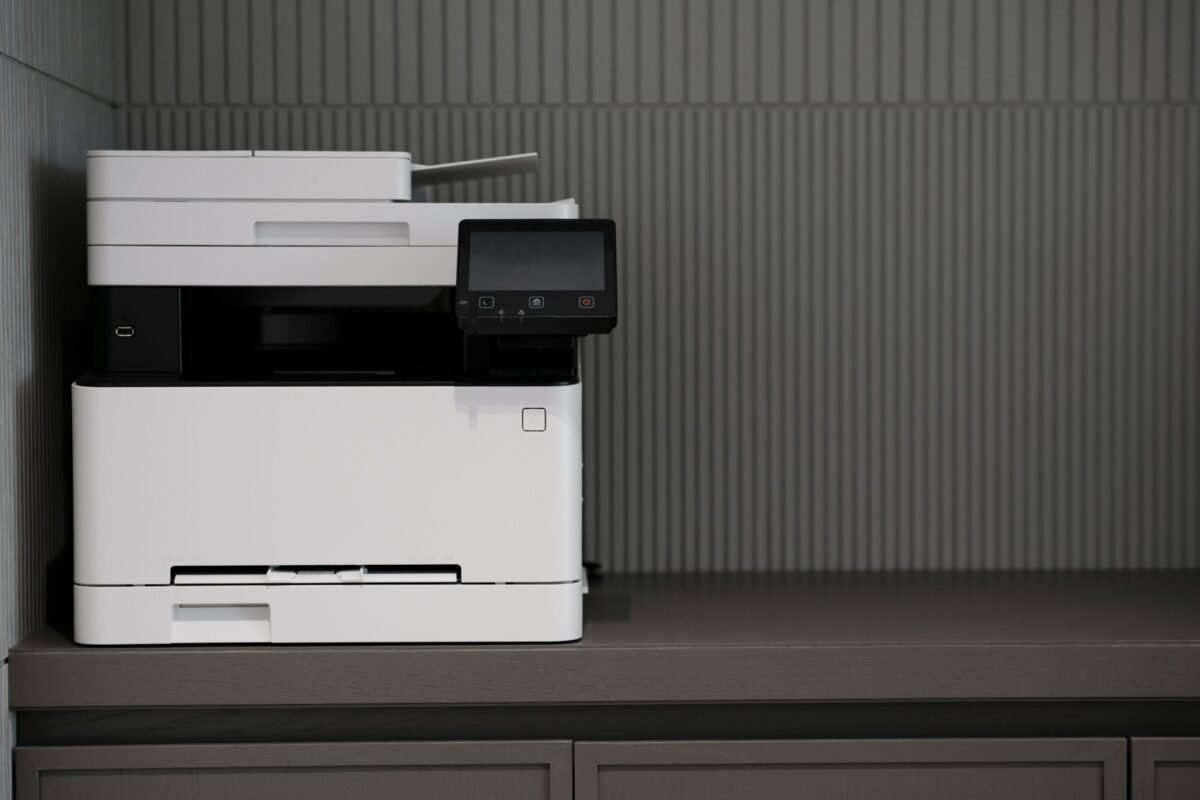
[[533, 419]]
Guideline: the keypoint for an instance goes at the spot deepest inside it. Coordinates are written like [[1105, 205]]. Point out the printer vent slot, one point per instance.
[[299, 574], [218, 576], [435, 573], [311, 334], [370, 573]]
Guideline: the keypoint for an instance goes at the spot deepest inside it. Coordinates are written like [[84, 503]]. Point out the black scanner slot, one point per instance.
[[309, 335], [327, 333]]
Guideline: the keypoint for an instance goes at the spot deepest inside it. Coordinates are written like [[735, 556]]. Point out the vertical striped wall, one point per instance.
[[56, 75], [906, 284], [487, 53], [75, 42]]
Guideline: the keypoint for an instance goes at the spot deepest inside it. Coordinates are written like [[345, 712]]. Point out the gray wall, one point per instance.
[[905, 284], [56, 91]]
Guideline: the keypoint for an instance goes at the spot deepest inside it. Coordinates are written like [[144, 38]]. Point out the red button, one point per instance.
[[587, 302]]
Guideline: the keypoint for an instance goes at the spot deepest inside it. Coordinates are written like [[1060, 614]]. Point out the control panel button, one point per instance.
[[537, 301], [487, 302], [587, 301], [533, 419]]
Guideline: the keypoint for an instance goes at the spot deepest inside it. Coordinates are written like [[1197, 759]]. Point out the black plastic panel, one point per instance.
[[136, 329]]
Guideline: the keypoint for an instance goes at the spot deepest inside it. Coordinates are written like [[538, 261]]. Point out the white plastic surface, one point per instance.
[[173, 153], [328, 244], [134, 265], [205, 623], [202, 476], [155, 615], [233, 222], [229, 175]]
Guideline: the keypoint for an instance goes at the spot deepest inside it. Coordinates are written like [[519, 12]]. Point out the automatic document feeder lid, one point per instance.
[[247, 175], [220, 175]]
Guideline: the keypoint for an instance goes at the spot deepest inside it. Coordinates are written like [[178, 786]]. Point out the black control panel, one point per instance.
[[555, 277]]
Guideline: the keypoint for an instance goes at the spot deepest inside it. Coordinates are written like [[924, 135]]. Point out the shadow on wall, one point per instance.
[[56, 314]]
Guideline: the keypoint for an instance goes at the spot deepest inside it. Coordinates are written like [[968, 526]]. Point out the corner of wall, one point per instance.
[[55, 86]]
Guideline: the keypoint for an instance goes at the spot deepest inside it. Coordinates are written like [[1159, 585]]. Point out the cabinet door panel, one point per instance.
[[1165, 769], [369, 771], [982, 769]]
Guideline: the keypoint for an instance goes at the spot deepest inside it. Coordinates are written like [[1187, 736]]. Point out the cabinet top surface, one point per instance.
[[710, 638]]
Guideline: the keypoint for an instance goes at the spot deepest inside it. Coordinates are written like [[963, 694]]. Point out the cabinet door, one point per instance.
[[1165, 769], [930, 769], [363, 771]]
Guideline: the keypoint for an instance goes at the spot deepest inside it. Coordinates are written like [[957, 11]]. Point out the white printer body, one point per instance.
[[305, 426]]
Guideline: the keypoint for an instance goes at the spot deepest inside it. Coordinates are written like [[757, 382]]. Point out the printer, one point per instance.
[[320, 411]]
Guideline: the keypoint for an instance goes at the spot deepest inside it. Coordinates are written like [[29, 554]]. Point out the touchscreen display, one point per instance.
[[543, 260]]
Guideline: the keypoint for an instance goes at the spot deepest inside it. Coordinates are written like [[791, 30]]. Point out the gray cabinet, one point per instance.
[[982, 769], [814, 685], [364, 771], [1165, 769]]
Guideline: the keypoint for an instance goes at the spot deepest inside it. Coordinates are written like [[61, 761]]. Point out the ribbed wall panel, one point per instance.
[[45, 128], [907, 284], [660, 52], [858, 338], [71, 40]]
